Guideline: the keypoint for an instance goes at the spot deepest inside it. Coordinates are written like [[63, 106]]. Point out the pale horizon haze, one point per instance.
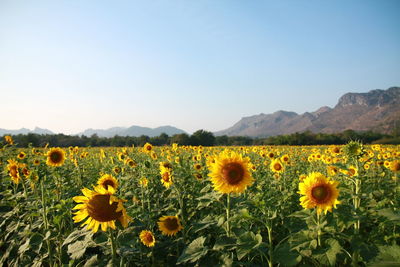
[[72, 65]]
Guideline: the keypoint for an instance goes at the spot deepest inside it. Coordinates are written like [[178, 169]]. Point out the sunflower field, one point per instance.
[[200, 206]]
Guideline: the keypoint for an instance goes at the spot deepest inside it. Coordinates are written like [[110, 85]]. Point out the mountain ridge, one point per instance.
[[377, 110], [133, 130]]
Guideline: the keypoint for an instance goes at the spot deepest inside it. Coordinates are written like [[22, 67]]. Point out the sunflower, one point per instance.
[[285, 158], [395, 166], [147, 238], [144, 182], [25, 171], [166, 178], [334, 150], [197, 167], [117, 170], [332, 170], [102, 208], [354, 149], [12, 168], [107, 180], [36, 151], [352, 171], [131, 163], [153, 155], [165, 165], [9, 139], [169, 225], [198, 176], [147, 147], [230, 173], [276, 166], [318, 191], [55, 157], [121, 156], [21, 155], [36, 162]]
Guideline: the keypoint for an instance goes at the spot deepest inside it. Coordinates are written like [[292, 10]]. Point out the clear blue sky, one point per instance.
[[72, 65]]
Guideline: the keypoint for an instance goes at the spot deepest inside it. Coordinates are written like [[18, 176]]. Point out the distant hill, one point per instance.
[[378, 110], [133, 131], [37, 130]]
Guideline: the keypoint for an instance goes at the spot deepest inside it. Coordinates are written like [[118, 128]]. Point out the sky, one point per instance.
[[72, 65]]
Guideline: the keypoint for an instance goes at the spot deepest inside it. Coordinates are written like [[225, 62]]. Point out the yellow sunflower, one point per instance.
[[21, 155], [107, 180], [147, 147], [165, 165], [169, 225], [117, 170], [55, 157], [144, 182], [230, 173], [102, 208], [12, 168], [9, 139], [285, 158], [166, 178], [395, 166], [276, 166], [318, 191], [131, 163], [198, 176], [147, 238], [197, 166], [153, 155]]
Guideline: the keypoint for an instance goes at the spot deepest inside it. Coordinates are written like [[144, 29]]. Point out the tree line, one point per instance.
[[204, 138]]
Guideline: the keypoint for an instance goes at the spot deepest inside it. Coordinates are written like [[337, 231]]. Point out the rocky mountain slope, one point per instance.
[[378, 110]]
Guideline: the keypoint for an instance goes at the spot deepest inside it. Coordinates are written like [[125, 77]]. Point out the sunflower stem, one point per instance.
[[228, 214], [318, 229], [45, 221], [269, 228], [113, 247], [142, 200]]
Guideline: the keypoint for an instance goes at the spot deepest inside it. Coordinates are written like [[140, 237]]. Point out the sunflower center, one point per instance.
[[278, 166], [14, 171], [320, 193], [108, 183], [233, 173], [56, 157], [165, 177], [99, 208], [148, 237], [171, 224], [396, 166]]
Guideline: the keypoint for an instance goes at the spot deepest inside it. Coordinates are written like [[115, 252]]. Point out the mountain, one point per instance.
[[378, 110], [133, 131], [37, 130]]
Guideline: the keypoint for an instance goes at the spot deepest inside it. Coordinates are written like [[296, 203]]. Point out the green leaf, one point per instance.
[[77, 249], [388, 256], [75, 235], [194, 251], [224, 242], [36, 241], [389, 214], [91, 262], [327, 255], [247, 242], [305, 213], [284, 255]]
